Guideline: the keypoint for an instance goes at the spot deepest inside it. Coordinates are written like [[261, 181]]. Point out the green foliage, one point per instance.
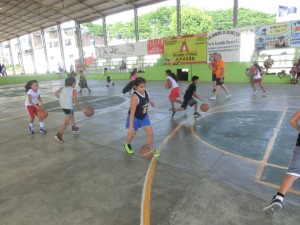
[[162, 22], [222, 19], [193, 21], [94, 29], [156, 24], [126, 30]]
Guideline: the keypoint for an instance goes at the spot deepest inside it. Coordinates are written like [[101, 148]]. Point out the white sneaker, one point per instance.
[[212, 98], [254, 93], [228, 96], [265, 93]]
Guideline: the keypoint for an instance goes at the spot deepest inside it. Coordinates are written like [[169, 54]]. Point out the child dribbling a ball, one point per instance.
[[67, 97], [138, 115], [33, 103]]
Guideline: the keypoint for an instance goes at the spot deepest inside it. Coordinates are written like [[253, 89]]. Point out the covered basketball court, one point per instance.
[[220, 168]]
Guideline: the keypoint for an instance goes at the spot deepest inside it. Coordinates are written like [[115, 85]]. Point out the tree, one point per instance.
[[193, 21], [156, 24], [223, 19], [125, 30], [94, 29]]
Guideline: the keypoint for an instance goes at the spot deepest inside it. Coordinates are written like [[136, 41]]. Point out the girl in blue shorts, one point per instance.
[[292, 174], [138, 115]]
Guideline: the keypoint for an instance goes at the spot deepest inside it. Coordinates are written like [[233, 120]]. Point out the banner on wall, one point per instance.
[[155, 46], [123, 50], [295, 36], [273, 36], [189, 49], [225, 42]]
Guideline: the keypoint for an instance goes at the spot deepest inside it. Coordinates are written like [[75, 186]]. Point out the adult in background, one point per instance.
[[3, 70], [212, 66], [268, 63], [220, 74]]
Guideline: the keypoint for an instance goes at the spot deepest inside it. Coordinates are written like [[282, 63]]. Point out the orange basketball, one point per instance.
[[146, 152], [89, 111], [204, 107], [42, 113]]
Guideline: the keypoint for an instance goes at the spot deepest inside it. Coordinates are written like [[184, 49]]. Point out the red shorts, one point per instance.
[[32, 111], [257, 80], [174, 93]]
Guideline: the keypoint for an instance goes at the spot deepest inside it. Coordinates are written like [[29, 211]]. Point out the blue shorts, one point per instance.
[[138, 123]]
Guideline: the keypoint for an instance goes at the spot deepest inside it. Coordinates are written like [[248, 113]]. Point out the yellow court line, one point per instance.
[[146, 195], [270, 146], [276, 186]]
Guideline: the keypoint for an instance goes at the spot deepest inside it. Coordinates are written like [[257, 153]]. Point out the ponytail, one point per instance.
[[28, 85], [174, 76]]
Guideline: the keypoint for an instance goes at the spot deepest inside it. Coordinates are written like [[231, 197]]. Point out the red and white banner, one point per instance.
[[155, 46]]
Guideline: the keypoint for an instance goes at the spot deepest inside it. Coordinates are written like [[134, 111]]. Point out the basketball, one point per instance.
[[42, 114], [146, 152], [204, 107], [89, 111]]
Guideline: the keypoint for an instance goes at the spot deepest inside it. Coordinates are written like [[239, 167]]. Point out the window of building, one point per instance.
[[68, 42]]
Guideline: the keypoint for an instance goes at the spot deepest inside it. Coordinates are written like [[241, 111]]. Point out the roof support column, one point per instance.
[[2, 53], [32, 54], [45, 50], [79, 44], [62, 53], [178, 7], [235, 13], [11, 58], [136, 24], [20, 55], [104, 30]]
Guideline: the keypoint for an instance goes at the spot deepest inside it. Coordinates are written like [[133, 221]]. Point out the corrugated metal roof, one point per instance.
[[19, 17]]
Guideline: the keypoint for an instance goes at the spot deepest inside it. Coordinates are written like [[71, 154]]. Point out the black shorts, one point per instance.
[[214, 77], [298, 75], [68, 112], [220, 81], [189, 102]]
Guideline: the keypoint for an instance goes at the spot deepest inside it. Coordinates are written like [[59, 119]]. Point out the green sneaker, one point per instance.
[[156, 154], [128, 148]]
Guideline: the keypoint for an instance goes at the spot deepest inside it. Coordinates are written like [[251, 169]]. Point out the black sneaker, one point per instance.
[[197, 114], [31, 131], [43, 131], [173, 112], [273, 206]]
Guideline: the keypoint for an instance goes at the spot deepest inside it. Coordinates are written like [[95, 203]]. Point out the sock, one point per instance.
[[31, 125], [41, 124], [279, 196]]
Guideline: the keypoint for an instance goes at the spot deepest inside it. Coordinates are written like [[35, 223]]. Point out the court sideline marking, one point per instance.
[[270, 146], [146, 194]]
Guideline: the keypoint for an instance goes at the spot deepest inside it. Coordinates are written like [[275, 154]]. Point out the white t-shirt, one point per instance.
[[173, 82], [34, 96], [257, 76], [66, 98]]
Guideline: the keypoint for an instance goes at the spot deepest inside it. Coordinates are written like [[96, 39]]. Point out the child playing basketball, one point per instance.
[[108, 80], [292, 174], [83, 82], [172, 83], [33, 103], [138, 115], [188, 97], [67, 96]]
